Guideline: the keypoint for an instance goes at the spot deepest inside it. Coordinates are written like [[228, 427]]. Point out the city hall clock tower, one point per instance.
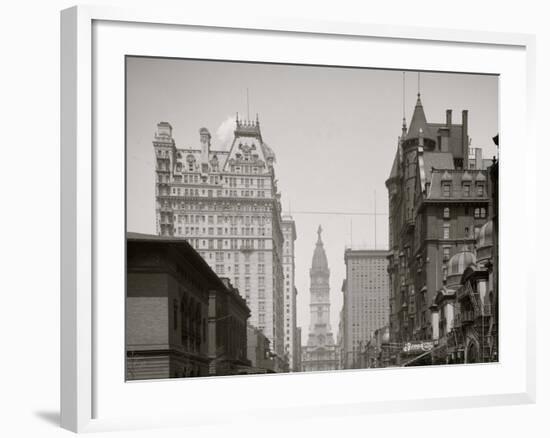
[[320, 352]]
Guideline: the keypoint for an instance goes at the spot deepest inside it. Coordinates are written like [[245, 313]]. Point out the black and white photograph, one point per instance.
[[287, 218]]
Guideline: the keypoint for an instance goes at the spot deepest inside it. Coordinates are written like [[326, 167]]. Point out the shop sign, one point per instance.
[[418, 347]]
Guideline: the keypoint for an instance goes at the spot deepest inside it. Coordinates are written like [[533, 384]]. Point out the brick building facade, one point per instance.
[[178, 313], [438, 201]]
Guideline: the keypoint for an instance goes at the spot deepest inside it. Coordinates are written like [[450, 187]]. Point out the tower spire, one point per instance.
[[319, 231], [404, 124]]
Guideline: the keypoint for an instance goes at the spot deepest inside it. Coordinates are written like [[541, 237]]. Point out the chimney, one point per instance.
[[164, 130], [205, 145], [465, 136], [449, 118]]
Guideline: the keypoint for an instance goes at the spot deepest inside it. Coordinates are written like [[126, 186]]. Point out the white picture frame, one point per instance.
[[88, 360]]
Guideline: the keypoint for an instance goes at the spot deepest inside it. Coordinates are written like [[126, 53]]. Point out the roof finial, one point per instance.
[[319, 231]]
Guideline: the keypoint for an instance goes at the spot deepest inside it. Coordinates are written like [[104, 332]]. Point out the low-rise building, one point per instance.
[[261, 358], [179, 312], [227, 333]]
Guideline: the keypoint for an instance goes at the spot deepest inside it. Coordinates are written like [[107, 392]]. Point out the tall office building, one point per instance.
[[366, 301], [320, 352], [226, 204], [290, 292]]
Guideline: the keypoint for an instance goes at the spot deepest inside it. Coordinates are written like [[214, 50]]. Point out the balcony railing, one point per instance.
[[465, 317]]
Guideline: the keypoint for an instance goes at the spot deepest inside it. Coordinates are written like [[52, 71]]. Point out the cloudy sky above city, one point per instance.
[[334, 132]]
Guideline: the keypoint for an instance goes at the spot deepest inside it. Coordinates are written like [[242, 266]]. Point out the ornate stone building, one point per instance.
[[438, 200], [320, 352], [227, 206]]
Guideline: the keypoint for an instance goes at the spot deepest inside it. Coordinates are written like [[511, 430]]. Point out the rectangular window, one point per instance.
[[446, 231], [447, 190], [466, 190]]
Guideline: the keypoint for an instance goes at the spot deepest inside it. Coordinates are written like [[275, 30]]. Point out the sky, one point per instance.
[[334, 131]]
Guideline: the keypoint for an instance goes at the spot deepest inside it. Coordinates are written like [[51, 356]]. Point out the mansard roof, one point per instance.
[[248, 145], [187, 155], [455, 137], [456, 180], [427, 161]]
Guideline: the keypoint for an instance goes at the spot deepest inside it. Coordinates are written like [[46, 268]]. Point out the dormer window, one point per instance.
[[446, 190], [466, 190], [479, 189]]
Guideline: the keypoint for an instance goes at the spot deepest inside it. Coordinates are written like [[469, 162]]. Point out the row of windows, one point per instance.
[[479, 212], [222, 219], [192, 165], [466, 190], [235, 244], [214, 206], [219, 256], [244, 169], [177, 191], [234, 231]]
